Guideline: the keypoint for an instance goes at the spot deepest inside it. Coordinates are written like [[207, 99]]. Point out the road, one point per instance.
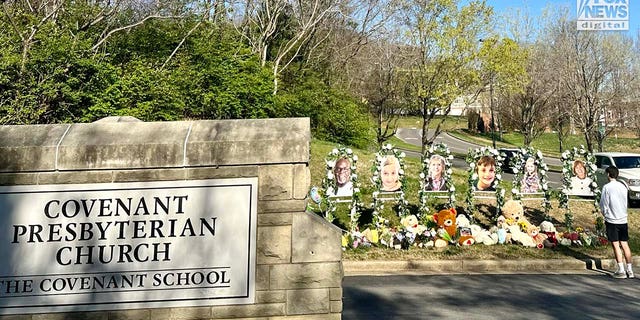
[[414, 136], [586, 295]]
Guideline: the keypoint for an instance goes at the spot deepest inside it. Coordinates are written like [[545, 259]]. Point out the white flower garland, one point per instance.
[[519, 161], [330, 187], [472, 158], [568, 157], [376, 169], [442, 150]]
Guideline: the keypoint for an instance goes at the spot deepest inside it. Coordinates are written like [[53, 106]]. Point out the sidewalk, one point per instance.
[[429, 267]]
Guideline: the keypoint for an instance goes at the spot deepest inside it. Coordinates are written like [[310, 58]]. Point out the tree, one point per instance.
[[263, 20], [588, 65], [528, 109], [502, 72], [444, 37]]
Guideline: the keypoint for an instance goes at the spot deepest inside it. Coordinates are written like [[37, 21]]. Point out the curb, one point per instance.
[[391, 267]]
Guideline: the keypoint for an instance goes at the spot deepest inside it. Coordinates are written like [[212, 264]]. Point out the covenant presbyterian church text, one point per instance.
[[168, 220]]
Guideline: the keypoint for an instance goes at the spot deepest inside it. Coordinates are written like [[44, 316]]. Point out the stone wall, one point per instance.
[[299, 269]]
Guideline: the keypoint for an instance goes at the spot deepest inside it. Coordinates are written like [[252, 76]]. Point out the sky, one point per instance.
[[535, 8]]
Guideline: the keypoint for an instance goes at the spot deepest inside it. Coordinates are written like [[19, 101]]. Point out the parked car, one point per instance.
[[509, 154], [629, 166]]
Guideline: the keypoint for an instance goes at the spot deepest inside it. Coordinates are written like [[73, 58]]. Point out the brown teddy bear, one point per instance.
[[446, 221]]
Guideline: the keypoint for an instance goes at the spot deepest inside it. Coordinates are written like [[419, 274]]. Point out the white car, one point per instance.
[[629, 167]]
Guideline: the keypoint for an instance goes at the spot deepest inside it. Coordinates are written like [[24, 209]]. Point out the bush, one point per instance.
[[335, 116]]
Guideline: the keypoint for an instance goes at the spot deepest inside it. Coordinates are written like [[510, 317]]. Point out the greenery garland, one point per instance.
[[442, 150], [519, 161], [568, 157], [472, 158], [329, 185], [376, 169]]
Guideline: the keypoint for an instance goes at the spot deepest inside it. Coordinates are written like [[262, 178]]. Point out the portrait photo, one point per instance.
[[486, 171], [580, 182], [342, 174], [390, 174], [435, 180], [531, 180]]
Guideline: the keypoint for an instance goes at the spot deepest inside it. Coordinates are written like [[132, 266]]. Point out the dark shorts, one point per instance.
[[617, 232]]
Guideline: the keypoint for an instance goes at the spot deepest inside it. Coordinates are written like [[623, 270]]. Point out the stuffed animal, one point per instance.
[[412, 224], [518, 236], [549, 230], [483, 236], [538, 238], [446, 221], [514, 213]]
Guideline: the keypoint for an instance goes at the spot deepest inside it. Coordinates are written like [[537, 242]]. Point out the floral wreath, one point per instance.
[[403, 210], [329, 184], [519, 161], [442, 150], [472, 158], [568, 157]]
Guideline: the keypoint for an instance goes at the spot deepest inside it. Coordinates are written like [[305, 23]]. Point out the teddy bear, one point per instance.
[[537, 236], [549, 230], [411, 224], [514, 213], [483, 236], [446, 221], [518, 236]]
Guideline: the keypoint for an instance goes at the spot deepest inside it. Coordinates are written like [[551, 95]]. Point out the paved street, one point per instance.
[[582, 295]]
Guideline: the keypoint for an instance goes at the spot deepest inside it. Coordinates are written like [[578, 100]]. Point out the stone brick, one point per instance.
[[16, 317], [306, 275], [316, 239], [141, 314], [308, 301], [275, 219], [238, 142], [243, 311], [30, 148], [263, 277], [301, 181], [98, 315], [120, 145], [274, 245], [335, 293], [271, 296], [222, 172], [336, 306], [66, 177], [195, 313], [149, 175], [13, 179], [282, 206], [276, 182]]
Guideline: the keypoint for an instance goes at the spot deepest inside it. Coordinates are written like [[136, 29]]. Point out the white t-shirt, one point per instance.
[[613, 202]]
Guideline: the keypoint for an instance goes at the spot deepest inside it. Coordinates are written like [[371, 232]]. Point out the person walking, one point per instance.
[[613, 203]]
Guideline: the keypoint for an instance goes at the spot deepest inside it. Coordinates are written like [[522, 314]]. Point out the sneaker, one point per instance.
[[630, 275], [619, 274]]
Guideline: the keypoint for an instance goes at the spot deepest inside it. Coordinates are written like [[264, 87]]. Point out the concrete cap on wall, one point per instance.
[[129, 144]]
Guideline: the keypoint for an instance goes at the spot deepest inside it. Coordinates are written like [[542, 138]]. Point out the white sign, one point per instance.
[[127, 245], [612, 15]]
